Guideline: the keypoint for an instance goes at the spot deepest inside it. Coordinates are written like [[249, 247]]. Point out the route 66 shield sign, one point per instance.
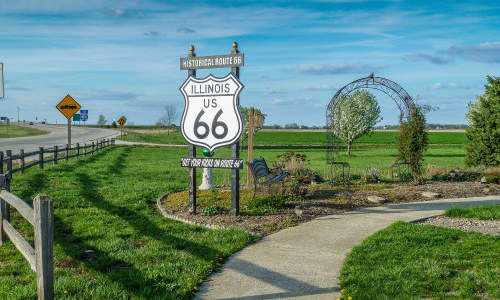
[[211, 115]]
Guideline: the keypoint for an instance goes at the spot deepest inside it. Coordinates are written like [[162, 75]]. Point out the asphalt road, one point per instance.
[[58, 136]]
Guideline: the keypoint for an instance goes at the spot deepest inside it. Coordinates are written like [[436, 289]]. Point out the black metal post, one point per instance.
[[235, 153], [192, 153]]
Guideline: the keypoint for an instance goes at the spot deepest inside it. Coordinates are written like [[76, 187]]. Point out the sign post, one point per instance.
[[212, 118], [122, 122], [235, 176], [68, 107], [84, 115], [2, 94]]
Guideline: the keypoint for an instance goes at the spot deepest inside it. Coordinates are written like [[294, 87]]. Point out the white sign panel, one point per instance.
[[1, 81], [211, 115]]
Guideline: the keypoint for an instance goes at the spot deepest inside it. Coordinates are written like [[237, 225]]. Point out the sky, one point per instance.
[[121, 57]]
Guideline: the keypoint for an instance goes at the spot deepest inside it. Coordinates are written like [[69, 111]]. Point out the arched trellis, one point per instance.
[[402, 99]]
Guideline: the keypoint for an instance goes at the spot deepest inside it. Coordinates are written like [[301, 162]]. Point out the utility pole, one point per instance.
[[18, 109]]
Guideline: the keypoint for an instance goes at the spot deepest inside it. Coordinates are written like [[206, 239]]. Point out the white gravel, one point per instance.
[[464, 224]]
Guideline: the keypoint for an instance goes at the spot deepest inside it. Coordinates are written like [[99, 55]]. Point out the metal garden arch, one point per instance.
[[402, 99]]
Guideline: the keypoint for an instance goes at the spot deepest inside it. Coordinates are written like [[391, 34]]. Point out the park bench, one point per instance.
[[263, 176]]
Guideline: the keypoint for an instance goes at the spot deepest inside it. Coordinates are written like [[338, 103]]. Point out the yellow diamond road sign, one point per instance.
[[68, 106], [122, 121]]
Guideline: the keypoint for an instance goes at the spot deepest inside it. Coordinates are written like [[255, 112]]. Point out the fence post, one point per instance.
[[21, 156], [77, 150], [112, 142], [44, 243], [1, 162], [55, 155], [40, 158], [84, 149], [9, 171], [68, 147], [92, 147], [3, 207]]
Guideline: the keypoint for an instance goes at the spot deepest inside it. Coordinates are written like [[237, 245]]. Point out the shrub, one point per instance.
[[492, 179], [290, 161], [484, 127], [296, 165], [371, 175], [213, 210], [272, 202], [413, 141]]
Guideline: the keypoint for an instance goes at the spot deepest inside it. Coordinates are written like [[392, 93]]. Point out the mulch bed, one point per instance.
[[324, 199]]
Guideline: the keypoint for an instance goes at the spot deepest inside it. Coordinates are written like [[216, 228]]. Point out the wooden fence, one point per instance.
[[41, 216], [7, 158]]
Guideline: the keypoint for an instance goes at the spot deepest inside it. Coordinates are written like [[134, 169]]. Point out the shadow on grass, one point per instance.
[[125, 273], [120, 271]]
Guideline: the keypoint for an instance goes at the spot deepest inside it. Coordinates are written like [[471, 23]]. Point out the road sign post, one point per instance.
[[122, 122], [68, 107], [2, 93], [211, 115], [84, 115]]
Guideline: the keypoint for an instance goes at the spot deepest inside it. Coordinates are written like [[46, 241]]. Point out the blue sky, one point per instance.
[[122, 57]]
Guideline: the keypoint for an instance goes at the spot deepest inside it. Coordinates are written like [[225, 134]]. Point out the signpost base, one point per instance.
[[207, 180]]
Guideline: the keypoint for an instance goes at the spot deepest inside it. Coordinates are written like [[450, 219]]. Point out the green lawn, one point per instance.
[[17, 131], [484, 212], [303, 138], [106, 203], [411, 261], [379, 150]]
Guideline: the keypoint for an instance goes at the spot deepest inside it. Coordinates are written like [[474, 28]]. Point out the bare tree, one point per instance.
[[168, 119]]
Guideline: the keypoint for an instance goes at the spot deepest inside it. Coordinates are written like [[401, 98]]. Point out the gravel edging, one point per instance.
[[164, 213], [463, 224]]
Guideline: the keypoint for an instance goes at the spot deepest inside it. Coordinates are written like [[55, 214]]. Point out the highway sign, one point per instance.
[[214, 61], [76, 117], [211, 115], [1, 81], [84, 115], [68, 106], [122, 121]]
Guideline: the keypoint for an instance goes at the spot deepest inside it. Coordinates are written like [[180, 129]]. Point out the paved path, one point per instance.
[[304, 262], [58, 136], [128, 143]]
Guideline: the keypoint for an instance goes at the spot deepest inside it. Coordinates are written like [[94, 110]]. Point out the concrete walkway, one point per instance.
[[128, 143], [304, 262]]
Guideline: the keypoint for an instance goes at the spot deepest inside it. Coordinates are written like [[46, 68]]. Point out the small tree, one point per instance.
[[169, 117], [413, 141], [101, 120], [245, 112], [355, 115], [484, 127]]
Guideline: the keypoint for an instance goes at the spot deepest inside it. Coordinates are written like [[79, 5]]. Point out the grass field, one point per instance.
[[106, 204], [411, 261], [304, 138], [377, 150], [18, 131], [485, 212]]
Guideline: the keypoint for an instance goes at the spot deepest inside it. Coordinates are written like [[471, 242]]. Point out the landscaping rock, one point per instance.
[[375, 199], [483, 179], [431, 195]]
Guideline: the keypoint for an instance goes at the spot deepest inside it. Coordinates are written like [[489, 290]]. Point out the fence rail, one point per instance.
[[41, 217], [22, 161]]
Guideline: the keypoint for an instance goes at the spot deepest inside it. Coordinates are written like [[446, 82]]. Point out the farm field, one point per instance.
[[303, 138], [377, 150], [18, 131], [110, 240]]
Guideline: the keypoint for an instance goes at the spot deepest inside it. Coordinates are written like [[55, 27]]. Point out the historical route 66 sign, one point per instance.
[[211, 115]]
